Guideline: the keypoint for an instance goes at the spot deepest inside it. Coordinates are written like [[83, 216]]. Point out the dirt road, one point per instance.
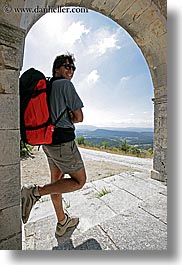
[[98, 165]]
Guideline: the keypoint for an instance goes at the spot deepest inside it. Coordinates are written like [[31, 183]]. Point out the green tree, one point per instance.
[[150, 150], [90, 144], [80, 140], [25, 149], [134, 150], [123, 146], [105, 144]]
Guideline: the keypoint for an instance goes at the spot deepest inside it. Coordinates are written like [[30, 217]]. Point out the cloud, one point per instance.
[[125, 78], [102, 41], [74, 33], [93, 76]]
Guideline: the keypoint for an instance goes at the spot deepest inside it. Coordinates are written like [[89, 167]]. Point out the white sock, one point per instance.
[[63, 221]]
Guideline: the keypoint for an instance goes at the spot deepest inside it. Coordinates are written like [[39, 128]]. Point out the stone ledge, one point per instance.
[[157, 176]]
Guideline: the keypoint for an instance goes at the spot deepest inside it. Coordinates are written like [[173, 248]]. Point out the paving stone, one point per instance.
[[91, 214], [133, 216], [101, 184], [93, 239], [120, 201], [138, 187], [40, 235], [41, 209], [137, 231], [157, 206], [80, 197]]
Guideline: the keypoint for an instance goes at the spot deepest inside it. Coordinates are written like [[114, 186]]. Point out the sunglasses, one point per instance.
[[69, 67]]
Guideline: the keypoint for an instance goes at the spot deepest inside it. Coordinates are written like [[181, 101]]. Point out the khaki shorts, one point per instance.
[[65, 156]]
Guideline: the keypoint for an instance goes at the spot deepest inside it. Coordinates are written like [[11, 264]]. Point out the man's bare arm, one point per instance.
[[76, 116]]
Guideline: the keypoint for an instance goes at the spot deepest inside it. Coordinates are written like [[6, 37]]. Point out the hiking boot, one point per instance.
[[69, 222], [29, 196]]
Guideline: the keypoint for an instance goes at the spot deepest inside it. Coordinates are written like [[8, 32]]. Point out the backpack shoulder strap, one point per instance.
[[50, 81], [60, 116]]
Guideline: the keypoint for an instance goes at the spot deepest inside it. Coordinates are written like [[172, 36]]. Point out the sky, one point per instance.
[[112, 76]]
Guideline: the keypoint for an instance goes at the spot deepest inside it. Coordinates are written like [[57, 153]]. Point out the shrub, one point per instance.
[[25, 149]]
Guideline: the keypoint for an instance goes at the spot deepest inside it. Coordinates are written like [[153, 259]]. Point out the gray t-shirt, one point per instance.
[[63, 95]]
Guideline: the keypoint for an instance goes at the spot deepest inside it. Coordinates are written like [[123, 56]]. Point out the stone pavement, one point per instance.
[[122, 212]]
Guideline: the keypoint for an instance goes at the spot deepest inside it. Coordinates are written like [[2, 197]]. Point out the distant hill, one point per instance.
[[142, 137], [85, 127], [133, 129]]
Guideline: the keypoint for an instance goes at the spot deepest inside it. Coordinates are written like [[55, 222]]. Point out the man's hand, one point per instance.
[[76, 116], [71, 114]]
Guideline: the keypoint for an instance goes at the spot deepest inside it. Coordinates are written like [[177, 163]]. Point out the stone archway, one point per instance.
[[144, 20]]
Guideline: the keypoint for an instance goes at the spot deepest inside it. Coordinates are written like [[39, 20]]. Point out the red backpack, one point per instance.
[[36, 127]]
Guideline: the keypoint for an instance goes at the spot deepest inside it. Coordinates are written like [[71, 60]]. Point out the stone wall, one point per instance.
[[11, 40]]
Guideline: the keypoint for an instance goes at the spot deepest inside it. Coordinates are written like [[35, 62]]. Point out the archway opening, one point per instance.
[[112, 75]]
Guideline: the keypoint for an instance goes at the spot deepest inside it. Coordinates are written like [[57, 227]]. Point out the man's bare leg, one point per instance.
[[56, 174], [60, 186], [30, 195]]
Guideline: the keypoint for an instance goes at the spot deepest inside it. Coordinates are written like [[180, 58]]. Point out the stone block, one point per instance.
[[160, 92], [160, 160], [12, 243], [91, 213], [71, 2], [9, 109], [42, 209], [160, 70], [163, 40], [156, 205], [120, 201], [92, 239], [160, 142], [121, 8], [138, 230], [162, 5], [158, 28], [8, 13], [10, 186], [51, 3], [9, 81], [150, 34], [159, 80], [10, 58], [127, 12], [86, 3], [11, 36], [104, 6], [157, 176], [133, 190], [155, 55], [10, 222], [9, 148], [149, 16]]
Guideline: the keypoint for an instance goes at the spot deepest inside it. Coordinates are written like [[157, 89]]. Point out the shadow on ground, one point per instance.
[[66, 243]]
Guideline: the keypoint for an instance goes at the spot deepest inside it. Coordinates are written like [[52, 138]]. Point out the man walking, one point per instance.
[[63, 155]]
